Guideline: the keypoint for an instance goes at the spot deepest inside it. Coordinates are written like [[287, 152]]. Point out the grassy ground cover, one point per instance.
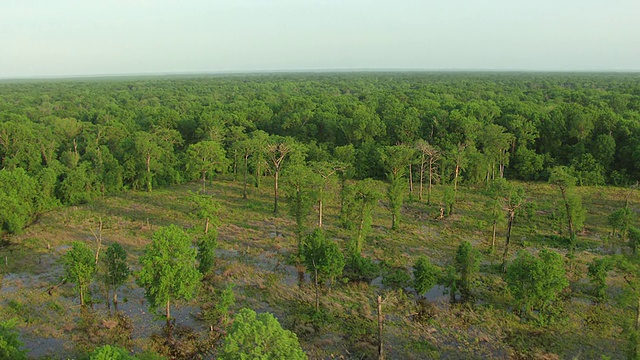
[[255, 251]]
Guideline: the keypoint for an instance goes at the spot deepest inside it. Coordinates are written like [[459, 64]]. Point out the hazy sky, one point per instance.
[[89, 37]]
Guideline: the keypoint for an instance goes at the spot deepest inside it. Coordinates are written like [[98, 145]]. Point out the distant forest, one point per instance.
[[66, 141]]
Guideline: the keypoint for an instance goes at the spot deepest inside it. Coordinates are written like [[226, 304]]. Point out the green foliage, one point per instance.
[[536, 282], [222, 303], [425, 275], [561, 177], [448, 200], [598, 270], [206, 255], [108, 352], [323, 255], [395, 278], [10, 344], [205, 157], [359, 268], [169, 269], [17, 195], [395, 159], [118, 270], [634, 239], [467, 264], [79, 267], [357, 211], [620, 220], [254, 336], [300, 182]]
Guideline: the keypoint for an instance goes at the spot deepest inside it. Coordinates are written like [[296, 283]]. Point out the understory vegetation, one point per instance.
[[415, 216]]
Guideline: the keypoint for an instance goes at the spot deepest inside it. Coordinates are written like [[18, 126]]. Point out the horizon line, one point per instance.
[[312, 71]]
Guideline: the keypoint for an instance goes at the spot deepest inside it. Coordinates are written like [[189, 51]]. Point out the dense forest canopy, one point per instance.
[[84, 137]]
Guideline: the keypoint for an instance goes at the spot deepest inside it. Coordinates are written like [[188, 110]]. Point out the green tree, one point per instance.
[[254, 336], [206, 157], [536, 282], [169, 270], [598, 270], [620, 220], [206, 255], [10, 344], [425, 275], [358, 208], [395, 160], [300, 183], [322, 258], [278, 150], [108, 352], [18, 193], [467, 264], [429, 156], [79, 267], [561, 177], [117, 270], [324, 171]]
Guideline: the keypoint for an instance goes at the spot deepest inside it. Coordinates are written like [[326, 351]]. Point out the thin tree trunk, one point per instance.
[[244, 189], [168, 311], [115, 299], [204, 182], [570, 220], [410, 180], [315, 280], [149, 172], [81, 296], [430, 182], [421, 178], [638, 315], [206, 226], [275, 193], [493, 238], [380, 319], [505, 255], [320, 210]]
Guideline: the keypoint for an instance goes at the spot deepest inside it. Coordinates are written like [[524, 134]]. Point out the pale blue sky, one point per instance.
[[90, 37]]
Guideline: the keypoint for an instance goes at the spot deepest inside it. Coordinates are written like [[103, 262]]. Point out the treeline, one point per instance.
[[64, 142]]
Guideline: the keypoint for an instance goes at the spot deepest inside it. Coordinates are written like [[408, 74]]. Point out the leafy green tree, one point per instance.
[[395, 160], [259, 336], [206, 157], [429, 155], [598, 270], [322, 258], [512, 200], [425, 275], [536, 282], [561, 177], [629, 268], [79, 267], [277, 151], [18, 193], [108, 352], [169, 270], [206, 255], [358, 209], [324, 171], [10, 344], [495, 145], [117, 270], [300, 183], [467, 264], [620, 220], [346, 155]]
